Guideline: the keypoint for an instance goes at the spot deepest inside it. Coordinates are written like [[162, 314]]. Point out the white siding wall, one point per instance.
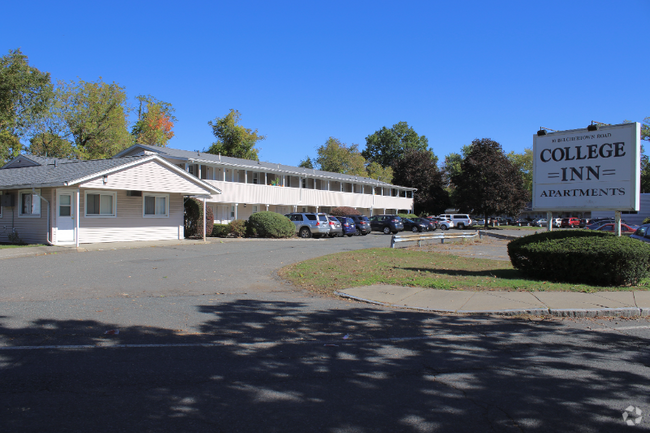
[[32, 230], [130, 224], [150, 176]]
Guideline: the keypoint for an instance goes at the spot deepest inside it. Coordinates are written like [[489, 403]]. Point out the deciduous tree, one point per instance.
[[338, 157], [524, 162], [386, 145], [155, 121], [306, 163], [25, 94], [417, 169], [489, 183], [233, 139]]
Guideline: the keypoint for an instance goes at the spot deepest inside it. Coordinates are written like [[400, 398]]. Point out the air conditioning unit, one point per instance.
[[7, 200], [134, 193]]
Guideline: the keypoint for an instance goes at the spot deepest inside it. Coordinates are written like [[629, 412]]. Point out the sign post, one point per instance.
[[596, 168]]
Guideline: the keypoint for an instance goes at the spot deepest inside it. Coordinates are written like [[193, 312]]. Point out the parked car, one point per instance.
[[443, 223], [363, 224], [570, 222], [414, 226], [348, 225], [430, 224], [557, 222], [521, 222], [625, 229], [335, 226], [386, 223], [310, 224], [602, 221], [539, 222], [642, 233], [584, 222], [460, 221]]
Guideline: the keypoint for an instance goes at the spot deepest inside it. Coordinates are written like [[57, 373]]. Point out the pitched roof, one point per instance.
[[66, 172], [210, 159]]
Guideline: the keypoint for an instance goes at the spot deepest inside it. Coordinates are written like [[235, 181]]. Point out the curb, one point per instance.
[[541, 312]]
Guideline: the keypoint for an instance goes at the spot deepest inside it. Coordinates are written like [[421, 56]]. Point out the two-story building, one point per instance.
[[250, 186]]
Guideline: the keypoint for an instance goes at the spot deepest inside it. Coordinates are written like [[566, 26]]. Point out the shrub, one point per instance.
[[237, 228], [220, 230], [344, 211], [646, 221], [587, 257], [194, 218], [270, 225], [407, 215]]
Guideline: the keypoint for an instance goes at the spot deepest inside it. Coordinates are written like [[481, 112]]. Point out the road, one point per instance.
[[206, 338]]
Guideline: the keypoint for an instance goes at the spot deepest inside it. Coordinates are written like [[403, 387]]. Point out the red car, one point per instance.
[[570, 222], [625, 229]]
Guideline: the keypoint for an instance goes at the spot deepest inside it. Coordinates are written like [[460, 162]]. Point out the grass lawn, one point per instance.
[[339, 271], [19, 246]]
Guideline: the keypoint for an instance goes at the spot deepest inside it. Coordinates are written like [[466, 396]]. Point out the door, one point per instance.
[[65, 224]]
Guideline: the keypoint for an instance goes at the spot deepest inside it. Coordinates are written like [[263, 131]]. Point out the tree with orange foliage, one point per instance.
[[155, 122]]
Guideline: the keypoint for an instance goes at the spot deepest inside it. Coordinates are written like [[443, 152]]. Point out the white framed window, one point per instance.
[[255, 209], [155, 205], [30, 203], [100, 204]]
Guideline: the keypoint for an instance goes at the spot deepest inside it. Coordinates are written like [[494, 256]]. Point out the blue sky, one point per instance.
[[300, 72]]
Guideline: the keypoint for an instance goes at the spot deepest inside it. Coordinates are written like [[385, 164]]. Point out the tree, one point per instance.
[[524, 162], [91, 116], [306, 163], [337, 157], [233, 139], [155, 122], [25, 93], [386, 146], [376, 171], [489, 183], [417, 169]]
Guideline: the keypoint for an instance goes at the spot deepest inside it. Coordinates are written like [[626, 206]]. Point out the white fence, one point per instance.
[[419, 237]]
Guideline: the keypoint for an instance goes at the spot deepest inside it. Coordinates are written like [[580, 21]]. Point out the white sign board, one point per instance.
[[581, 170]]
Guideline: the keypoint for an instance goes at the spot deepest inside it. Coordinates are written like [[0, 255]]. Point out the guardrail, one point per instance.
[[419, 237]]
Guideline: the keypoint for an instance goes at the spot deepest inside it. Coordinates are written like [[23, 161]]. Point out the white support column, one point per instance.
[[199, 170], [204, 220], [549, 221], [236, 210], [224, 173], [267, 207], [76, 221], [617, 223], [187, 167], [245, 176]]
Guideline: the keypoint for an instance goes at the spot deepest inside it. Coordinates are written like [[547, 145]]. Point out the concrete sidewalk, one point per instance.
[[562, 304]]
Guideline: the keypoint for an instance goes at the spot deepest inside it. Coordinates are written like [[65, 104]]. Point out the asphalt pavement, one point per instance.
[[539, 303]]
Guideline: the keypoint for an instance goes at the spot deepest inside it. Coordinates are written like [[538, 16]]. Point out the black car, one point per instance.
[[386, 223], [414, 226], [363, 224], [429, 223]]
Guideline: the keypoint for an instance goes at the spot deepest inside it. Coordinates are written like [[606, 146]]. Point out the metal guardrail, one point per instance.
[[419, 237]]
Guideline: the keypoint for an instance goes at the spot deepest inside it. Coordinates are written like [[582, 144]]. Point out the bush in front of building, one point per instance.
[[344, 211], [269, 225], [586, 257], [237, 228], [194, 218], [407, 215], [220, 230]]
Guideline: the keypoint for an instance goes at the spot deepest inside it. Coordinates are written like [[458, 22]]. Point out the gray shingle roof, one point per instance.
[[65, 172], [208, 158]]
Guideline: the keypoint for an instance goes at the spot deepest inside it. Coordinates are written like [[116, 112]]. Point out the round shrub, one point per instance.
[[344, 211], [407, 215], [220, 230], [270, 225], [237, 228], [194, 218], [587, 257]]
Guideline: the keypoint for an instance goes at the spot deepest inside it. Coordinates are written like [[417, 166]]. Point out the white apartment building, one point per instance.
[[251, 186]]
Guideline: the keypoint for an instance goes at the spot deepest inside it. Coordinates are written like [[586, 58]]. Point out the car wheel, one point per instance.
[[414, 229], [304, 233], [386, 230], [461, 226], [358, 232], [444, 227]]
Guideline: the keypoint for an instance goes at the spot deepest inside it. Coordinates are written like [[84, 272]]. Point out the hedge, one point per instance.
[[344, 211], [269, 225], [587, 257], [194, 218]]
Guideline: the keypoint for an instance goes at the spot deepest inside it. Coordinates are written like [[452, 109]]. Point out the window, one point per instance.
[[100, 204], [156, 206], [30, 203]]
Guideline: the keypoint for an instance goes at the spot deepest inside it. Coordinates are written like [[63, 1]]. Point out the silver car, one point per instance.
[[310, 224]]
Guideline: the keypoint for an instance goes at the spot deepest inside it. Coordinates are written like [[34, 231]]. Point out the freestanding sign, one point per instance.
[[582, 170]]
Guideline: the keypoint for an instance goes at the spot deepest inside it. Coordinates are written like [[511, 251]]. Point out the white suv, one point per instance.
[[461, 221]]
